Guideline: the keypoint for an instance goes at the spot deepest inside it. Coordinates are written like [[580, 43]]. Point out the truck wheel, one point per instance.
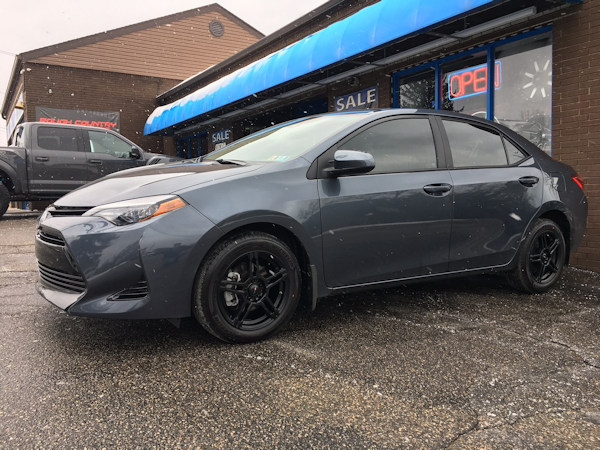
[[4, 199]]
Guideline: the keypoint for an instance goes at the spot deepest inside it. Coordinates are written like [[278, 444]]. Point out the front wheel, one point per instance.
[[247, 288], [541, 258]]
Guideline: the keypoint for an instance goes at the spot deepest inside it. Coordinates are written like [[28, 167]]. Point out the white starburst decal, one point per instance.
[[540, 79]]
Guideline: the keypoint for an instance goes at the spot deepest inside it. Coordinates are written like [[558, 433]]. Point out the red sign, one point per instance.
[[472, 81], [102, 119]]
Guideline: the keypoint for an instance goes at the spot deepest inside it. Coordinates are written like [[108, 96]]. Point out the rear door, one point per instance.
[[58, 163], [107, 153], [497, 192], [393, 222]]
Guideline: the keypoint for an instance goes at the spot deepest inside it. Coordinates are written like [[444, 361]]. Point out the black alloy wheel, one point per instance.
[[541, 258], [248, 288]]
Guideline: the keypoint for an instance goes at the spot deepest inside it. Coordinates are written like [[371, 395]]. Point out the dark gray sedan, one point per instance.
[[307, 209]]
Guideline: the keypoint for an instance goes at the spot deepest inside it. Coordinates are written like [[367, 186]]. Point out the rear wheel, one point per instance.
[[248, 288], [4, 199], [541, 258]]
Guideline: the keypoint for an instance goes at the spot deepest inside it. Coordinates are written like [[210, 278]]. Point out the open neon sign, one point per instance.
[[472, 81]]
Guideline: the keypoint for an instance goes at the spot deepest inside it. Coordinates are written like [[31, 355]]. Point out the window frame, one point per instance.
[[484, 126]]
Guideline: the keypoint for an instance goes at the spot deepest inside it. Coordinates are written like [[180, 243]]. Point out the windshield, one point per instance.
[[286, 141]]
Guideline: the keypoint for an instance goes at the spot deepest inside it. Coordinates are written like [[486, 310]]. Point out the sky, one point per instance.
[[32, 24]]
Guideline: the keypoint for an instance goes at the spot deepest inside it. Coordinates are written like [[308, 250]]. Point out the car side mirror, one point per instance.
[[135, 153], [347, 162]]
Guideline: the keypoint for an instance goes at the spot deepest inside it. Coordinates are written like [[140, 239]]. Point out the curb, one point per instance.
[[13, 213]]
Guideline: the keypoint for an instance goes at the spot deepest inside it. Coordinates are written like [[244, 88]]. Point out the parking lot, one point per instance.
[[462, 363]]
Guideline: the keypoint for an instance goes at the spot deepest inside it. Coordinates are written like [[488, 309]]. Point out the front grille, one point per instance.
[[61, 280], [49, 238], [61, 211], [135, 292]]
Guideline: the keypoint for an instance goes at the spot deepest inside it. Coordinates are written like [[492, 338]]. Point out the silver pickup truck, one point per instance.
[[48, 160]]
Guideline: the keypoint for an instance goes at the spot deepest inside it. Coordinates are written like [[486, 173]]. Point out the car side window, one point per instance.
[[474, 146], [54, 138], [399, 145], [103, 142], [514, 154]]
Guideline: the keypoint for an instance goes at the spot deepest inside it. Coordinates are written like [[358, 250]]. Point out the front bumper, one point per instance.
[[90, 267]]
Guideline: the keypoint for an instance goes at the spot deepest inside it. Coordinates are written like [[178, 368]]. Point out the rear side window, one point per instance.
[[53, 138], [472, 146], [514, 154], [399, 145]]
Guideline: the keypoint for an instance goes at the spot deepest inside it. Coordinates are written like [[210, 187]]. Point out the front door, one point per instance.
[[394, 222], [107, 153]]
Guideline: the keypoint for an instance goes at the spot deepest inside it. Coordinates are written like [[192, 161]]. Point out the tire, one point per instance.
[[247, 289], [4, 199], [541, 258]]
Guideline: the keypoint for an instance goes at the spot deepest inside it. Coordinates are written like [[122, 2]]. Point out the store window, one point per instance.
[[192, 146], [524, 103], [417, 91], [509, 81], [464, 85]]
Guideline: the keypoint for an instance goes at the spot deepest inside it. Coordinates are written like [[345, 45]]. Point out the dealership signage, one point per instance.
[[365, 99], [221, 138], [472, 81], [108, 120]]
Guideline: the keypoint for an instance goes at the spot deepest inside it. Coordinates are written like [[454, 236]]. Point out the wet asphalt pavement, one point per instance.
[[463, 363]]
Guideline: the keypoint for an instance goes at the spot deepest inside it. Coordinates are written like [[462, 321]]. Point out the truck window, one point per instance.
[[102, 142], [51, 138]]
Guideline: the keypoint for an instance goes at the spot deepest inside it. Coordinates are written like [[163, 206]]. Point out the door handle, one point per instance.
[[528, 181], [42, 158], [95, 161], [438, 189]]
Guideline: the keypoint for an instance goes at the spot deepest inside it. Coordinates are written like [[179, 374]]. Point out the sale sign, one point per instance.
[[472, 81]]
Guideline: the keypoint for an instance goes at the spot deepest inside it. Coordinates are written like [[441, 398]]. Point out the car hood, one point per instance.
[[149, 180]]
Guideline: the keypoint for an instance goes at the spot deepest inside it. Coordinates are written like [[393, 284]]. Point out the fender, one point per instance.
[[311, 244], [13, 177]]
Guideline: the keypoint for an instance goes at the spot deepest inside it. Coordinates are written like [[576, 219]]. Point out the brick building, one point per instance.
[[531, 65], [112, 79]]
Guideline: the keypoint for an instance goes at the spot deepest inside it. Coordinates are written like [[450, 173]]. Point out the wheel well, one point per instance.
[[5, 179], [561, 220], [290, 239]]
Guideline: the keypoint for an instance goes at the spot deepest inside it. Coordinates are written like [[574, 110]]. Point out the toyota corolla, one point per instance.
[[306, 209]]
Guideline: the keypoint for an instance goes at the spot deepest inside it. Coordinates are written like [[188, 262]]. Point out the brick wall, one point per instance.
[[576, 112], [132, 96]]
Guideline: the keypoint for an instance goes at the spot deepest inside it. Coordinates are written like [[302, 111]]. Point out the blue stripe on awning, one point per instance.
[[371, 27]]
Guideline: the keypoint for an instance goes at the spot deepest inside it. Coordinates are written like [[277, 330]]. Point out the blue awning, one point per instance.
[[369, 28]]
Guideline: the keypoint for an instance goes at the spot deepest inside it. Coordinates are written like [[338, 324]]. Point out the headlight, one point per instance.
[[137, 210]]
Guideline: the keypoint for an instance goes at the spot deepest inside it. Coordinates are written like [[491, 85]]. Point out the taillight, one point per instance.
[[577, 179]]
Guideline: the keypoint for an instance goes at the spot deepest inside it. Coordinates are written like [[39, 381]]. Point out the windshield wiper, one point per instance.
[[231, 161]]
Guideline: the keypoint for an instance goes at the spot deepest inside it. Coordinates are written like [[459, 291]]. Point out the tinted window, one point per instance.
[[472, 146], [514, 154], [51, 138], [397, 145], [102, 142]]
